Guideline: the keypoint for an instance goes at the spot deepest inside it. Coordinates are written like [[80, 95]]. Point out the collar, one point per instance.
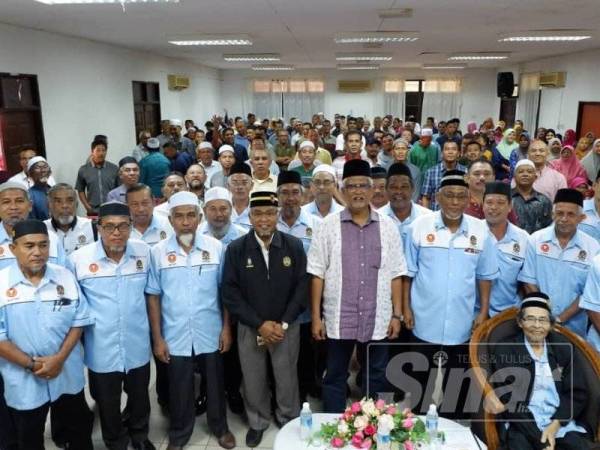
[[509, 236], [15, 276], [346, 216], [302, 219], [269, 178], [4, 237], [56, 225], [252, 241], [534, 194], [549, 235], [261, 243], [439, 224], [540, 359], [100, 253], [95, 166], [590, 206]]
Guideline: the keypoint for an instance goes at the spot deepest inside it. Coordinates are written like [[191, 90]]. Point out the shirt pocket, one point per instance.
[[374, 257]]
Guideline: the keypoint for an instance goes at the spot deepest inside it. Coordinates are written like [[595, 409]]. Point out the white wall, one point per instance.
[[85, 89], [559, 106], [479, 90]]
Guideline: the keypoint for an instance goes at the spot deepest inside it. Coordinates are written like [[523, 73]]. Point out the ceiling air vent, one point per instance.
[[354, 86]]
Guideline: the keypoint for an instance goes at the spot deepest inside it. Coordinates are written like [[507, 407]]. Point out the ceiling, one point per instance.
[[302, 30]]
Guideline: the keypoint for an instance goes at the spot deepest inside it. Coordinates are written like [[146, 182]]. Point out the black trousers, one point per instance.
[[231, 362], [107, 389], [8, 440], [526, 436], [75, 417], [181, 400], [311, 362], [162, 382]]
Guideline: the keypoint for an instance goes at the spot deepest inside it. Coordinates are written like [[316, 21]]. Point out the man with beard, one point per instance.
[[129, 174], [379, 199], [174, 182], [195, 177], [187, 321], [205, 157], [323, 186], [24, 156], [265, 288], [73, 231], [240, 184], [39, 172]]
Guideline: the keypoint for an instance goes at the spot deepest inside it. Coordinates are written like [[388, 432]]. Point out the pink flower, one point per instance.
[[337, 442], [408, 423], [407, 412], [408, 445], [356, 408], [391, 410], [357, 440], [367, 443], [347, 416], [370, 430], [380, 404]]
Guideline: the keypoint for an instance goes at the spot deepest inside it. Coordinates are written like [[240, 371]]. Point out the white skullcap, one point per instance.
[[183, 198], [324, 168], [524, 162], [306, 144], [13, 185], [258, 123], [426, 132], [217, 193], [191, 130], [205, 144], [226, 148], [34, 160], [175, 122], [153, 143]]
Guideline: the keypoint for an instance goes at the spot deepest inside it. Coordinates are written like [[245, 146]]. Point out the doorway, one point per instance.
[[588, 118], [146, 107], [20, 119], [508, 110]]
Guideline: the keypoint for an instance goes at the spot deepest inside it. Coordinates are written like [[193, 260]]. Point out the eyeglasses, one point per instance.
[[357, 186], [459, 197], [532, 320], [322, 183], [110, 228], [239, 182]]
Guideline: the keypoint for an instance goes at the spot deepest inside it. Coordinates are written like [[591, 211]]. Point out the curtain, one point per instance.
[[303, 105], [442, 98], [393, 99], [288, 98], [267, 98], [527, 103]]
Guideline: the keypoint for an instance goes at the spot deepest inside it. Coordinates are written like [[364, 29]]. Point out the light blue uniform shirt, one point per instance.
[[590, 300], [403, 226], [445, 268], [189, 288], [510, 253], [242, 220], [37, 320], [57, 253], [544, 399], [591, 223], [234, 232], [560, 273], [159, 229], [313, 209], [119, 339]]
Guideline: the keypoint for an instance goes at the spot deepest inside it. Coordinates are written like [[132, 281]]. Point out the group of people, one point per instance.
[[262, 256]]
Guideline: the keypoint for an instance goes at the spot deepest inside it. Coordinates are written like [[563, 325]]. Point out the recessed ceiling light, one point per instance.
[[97, 2], [358, 66], [363, 56], [444, 66], [273, 67], [546, 36], [376, 36], [252, 57], [482, 56], [395, 13], [211, 39]]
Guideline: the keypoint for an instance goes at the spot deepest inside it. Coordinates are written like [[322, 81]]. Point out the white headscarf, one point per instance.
[[591, 162]]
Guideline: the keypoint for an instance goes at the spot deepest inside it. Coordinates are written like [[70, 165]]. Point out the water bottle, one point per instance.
[[305, 422], [384, 440], [431, 422]]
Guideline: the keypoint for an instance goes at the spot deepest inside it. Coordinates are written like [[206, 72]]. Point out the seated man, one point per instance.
[[541, 389]]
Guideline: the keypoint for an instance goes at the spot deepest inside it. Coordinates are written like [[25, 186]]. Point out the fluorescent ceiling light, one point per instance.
[[444, 66], [363, 56], [528, 37], [273, 67], [482, 56], [395, 13], [368, 37], [252, 57], [358, 66], [97, 2], [212, 39]]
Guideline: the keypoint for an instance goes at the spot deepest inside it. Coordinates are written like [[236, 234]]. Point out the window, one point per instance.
[[146, 107], [287, 98], [413, 98], [393, 86], [441, 86]]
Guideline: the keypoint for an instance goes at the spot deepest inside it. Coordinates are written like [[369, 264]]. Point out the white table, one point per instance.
[[458, 437]]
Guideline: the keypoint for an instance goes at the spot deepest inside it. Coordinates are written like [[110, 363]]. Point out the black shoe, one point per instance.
[[253, 437], [144, 445], [278, 423], [200, 405], [236, 403]]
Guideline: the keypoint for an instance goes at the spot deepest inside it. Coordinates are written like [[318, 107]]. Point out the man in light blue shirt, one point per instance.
[[187, 320], [42, 313], [558, 260], [591, 223], [323, 187], [590, 302], [240, 184], [113, 273], [510, 243], [146, 225]]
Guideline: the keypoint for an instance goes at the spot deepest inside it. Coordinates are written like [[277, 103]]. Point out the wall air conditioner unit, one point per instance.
[[178, 82], [354, 86], [553, 79]]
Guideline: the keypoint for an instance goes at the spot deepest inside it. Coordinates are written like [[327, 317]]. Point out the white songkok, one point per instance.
[[426, 132], [524, 162], [183, 198], [217, 193], [324, 168]]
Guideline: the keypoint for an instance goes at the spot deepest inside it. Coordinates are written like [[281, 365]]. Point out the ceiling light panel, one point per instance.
[[272, 67], [210, 40], [363, 56], [252, 57], [444, 66], [358, 66], [100, 2], [546, 36], [395, 13], [478, 56], [368, 37]]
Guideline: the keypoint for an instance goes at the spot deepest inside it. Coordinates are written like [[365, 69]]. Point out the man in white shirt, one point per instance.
[[340, 139], [24, 156]]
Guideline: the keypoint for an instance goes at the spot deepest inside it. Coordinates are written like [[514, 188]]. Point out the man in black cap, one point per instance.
[[356, 277], [39, 343], [113, 273], [380, 198], [544, 410], [265, 287], [240, 184], [510, 242], [129, 174], [558, 260]]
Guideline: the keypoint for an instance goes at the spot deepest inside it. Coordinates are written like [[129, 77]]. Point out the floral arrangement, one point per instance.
[[359, 424]]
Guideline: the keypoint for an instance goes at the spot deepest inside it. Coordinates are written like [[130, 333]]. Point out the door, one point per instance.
[[588, 118], [146, 107], [508, 110]]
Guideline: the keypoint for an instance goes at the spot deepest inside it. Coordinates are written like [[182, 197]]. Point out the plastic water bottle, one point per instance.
[[305, 422], [431, 422], [384, 441]]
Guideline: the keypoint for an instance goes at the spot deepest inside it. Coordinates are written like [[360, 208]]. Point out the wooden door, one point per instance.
[[18, 130], [508, 110], [146, 107], [588, 118]]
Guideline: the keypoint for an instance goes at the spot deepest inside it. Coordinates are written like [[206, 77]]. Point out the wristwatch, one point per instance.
[[400, 318], [285, 326], [30, 366]]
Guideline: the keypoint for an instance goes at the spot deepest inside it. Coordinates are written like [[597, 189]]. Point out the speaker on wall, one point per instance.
[[505, 85]]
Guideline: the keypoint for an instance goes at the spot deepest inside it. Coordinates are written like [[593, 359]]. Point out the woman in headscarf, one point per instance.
[[471, 127], [569, 166], [541, 134], [570, 138], [582, 148], [508, 143], [554, 147], [591, 161], [519, 153], [487, 125], [501, 153]]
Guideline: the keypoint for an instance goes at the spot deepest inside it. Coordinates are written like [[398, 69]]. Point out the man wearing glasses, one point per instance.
[[39, 171], [240, 184], [323, 188]]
